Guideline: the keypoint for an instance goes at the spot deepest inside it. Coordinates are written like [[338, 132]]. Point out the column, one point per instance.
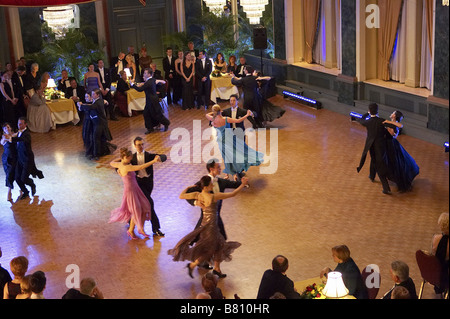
[[414, 10], [279, 29]]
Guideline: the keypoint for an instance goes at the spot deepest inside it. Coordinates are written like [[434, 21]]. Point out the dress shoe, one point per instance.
[[33, 190], [166, 128], [149, 132], [219, 274], [158, 233], [190, 270], [372, 179], [387, 192], [25, 195], [40, 175]]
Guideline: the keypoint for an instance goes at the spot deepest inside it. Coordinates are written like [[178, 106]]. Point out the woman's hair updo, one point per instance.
[[205, 181], [124, 152]]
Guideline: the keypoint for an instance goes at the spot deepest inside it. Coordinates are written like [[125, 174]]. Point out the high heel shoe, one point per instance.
[[219, 274], [132, 236], [143, 234], [190, 270]]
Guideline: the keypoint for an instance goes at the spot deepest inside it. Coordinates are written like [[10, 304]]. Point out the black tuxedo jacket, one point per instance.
[[149, 88], [148, 158], [200, 71], [19, 87], [249, 87], [97, 109], [81, 92], [25, 153], [240, 71], [169, 68], [273, 282], [114, 68], [107, 79], [375, 142], [240, 113]]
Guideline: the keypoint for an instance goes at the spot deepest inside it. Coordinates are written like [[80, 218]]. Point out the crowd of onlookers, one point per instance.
[[275, 284]]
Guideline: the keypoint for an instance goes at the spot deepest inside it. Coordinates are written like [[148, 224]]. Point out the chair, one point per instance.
[[430, 270], [371, 289]]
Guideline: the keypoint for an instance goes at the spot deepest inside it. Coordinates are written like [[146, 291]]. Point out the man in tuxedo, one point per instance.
[[376, 146], [194, 52], [105, 78], [18, 81], [26, 165], [275, 280], [249, 87], [76, 92], [241, 67], [145, 179], [118, 64], [64, 81], [203, 69], [169, 73], [153, 114], [236, 112]]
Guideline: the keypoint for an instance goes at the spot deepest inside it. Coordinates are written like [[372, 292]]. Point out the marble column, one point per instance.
[[279, 29], [438, 103], [347, 81]]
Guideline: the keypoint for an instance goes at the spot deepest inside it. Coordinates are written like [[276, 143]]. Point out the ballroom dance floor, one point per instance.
[[314, 201]]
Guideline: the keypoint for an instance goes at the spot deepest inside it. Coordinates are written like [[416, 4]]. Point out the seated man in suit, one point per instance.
[[105, 78], [240, 68], [275, 281], [75, 91], [64, 81]]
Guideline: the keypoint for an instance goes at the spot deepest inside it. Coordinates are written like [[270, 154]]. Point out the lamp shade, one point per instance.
[[51, 83], [335, 287], [127, 72]]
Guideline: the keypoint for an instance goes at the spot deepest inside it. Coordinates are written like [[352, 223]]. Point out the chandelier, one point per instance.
[[60, 18], [254, 9], [215, 6]]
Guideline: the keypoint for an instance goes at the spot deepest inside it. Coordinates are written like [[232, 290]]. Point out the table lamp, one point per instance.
[[335, 287], [51, 83]]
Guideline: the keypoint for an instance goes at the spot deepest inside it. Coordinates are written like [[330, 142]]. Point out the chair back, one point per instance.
[[373, 286], [430, 267]]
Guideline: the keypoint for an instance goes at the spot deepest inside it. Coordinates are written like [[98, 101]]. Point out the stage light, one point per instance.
[[296, 96], [354, 116], [446, 147]]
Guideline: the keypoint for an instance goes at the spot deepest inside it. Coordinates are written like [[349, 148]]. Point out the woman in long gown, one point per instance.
[[188, 72], [135, 207], [92, 80], [38, 114], [402, 167], [269, 111], [177, 84], [238, 157], [211, 245], [9, 158]]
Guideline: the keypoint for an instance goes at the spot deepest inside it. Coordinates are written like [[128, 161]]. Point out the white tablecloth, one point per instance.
[[63, 111]]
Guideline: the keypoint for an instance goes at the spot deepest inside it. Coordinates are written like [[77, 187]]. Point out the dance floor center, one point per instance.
[[315, 200]]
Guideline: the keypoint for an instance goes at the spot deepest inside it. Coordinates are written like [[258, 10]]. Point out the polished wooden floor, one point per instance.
[[314, 201]]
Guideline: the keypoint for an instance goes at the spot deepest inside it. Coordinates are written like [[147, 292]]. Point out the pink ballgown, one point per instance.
[[134, 204]]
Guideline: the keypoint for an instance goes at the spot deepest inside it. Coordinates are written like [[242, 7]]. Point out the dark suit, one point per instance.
[[169, 69], [106, 80], [240, 112], [251, 102], [272, 282], [240, 71], [352, 279], [153, 114], [101, 132], [81, 92], [63, 86], [19, 92], [376, 146], [408, 284], [204, 87], [115, 68], [146, 185], [25, 163]]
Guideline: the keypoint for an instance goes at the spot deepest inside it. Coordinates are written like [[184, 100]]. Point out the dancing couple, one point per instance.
[[388, 158]]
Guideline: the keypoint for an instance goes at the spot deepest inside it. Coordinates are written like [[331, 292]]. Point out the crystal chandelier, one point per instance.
[[60, 18], [215, 6], [254, 9]]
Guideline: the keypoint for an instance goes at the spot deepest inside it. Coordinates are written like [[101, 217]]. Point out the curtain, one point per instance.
[[398, 60], [320, 48], [310, 18], [426, 58], [389, 16], [428, 8]]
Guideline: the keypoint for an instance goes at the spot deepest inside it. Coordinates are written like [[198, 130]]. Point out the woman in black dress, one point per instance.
[[269, 111], [9, 158], [188, 72], [402, 167]]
